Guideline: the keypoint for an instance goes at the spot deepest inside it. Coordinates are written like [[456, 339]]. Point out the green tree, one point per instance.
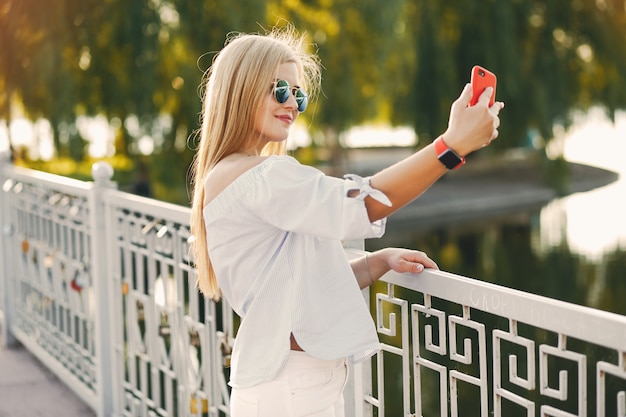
[[402, 61], [20, 37], [356, 43], [550, 58], [52, 92], [190, 35]]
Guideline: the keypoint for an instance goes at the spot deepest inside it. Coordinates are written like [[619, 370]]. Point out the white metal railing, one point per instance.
[[97, 284]]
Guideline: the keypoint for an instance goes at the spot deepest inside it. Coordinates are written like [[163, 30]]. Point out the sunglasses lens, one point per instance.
[[281, 91], [302, 100]]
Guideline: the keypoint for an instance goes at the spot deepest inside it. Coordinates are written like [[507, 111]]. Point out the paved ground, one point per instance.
[[29, 389]]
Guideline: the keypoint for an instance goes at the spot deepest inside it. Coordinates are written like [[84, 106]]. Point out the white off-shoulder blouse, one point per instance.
[[274, 238]]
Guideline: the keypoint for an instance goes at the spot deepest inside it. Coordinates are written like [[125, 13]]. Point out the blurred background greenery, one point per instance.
[[138, 65]]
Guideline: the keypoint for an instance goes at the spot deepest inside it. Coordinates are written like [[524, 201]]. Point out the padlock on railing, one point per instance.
[[226, 349], [199, 406]]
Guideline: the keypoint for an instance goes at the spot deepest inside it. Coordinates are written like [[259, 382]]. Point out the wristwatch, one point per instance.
[[447, 156]]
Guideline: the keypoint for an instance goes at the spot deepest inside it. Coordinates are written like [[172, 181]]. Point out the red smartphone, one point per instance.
[[481, 79]]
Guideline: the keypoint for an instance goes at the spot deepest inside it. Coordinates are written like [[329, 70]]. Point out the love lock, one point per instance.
[[227, 350], [78, 283], [199, 405]]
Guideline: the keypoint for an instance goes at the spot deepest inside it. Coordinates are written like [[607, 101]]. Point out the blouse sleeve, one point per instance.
[[300, 198]]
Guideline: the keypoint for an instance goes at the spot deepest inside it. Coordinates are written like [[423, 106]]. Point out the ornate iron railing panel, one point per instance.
[[47, 241], [502, 352], [168, 344]]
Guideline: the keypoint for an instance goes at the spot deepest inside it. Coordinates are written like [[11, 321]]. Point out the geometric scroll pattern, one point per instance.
[[470, 354], [606, 370], [459, 339]]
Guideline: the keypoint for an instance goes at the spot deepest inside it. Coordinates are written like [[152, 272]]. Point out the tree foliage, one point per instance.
[[550, 57], [400, 61]]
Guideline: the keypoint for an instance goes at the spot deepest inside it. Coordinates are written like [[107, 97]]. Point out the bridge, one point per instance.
[[97, 284]]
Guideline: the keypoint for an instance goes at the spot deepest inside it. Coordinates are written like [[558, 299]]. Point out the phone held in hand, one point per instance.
[[482, 78]]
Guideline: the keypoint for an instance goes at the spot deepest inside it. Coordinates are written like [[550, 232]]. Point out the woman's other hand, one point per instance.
[[405, 260], [372, 266]]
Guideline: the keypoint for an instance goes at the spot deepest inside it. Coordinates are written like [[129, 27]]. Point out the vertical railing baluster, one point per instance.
[[360, 378], [8, 229], [102, 174]]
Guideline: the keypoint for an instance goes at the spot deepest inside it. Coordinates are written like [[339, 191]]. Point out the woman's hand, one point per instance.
[[405, 260], [372, 266], [471, 128]]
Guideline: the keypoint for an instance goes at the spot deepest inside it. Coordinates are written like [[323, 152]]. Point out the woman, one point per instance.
[[268, 230]]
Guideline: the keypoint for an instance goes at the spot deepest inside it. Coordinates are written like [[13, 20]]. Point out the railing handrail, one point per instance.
[[532, 309], [55, 181], [149, 206]]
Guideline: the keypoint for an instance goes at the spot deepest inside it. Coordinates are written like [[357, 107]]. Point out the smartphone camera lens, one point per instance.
[[481, 73]]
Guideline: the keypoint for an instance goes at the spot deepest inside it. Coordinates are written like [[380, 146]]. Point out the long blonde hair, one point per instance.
[[236, 83]]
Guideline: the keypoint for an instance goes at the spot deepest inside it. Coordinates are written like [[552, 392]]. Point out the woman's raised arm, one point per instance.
[[469, 129]]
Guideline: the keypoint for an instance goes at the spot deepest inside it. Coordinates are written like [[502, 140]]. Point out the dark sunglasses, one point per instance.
[[282, 89]]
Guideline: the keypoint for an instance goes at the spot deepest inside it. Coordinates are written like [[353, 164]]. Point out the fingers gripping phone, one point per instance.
[[481, 79]]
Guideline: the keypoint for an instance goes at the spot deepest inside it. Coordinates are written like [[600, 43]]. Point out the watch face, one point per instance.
[[449, 159]]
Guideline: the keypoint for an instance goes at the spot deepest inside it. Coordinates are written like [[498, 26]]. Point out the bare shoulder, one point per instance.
[[225, 172]]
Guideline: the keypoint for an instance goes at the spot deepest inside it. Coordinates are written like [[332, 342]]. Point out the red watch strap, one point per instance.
[[441, 147]]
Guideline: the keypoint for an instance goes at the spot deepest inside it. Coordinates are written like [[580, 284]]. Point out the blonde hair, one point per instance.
[[236, 83]]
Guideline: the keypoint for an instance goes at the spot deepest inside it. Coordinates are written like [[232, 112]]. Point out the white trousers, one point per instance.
[[305, 387]]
